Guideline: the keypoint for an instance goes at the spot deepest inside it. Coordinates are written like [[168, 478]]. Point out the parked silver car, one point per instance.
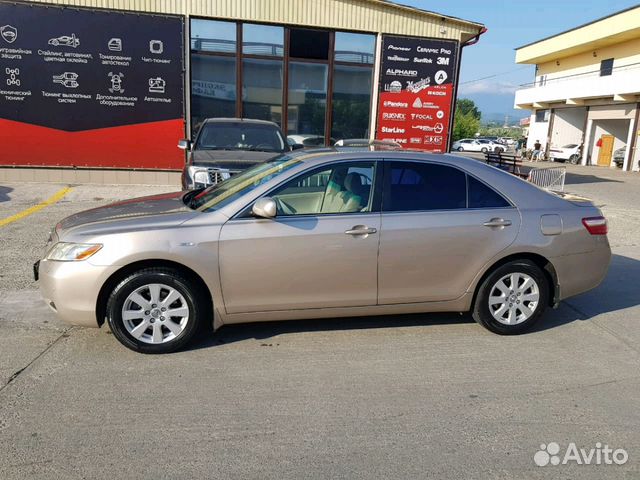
[[325, 233]]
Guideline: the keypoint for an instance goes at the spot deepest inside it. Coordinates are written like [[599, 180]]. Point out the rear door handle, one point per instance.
[[360, 230], [497, 222]]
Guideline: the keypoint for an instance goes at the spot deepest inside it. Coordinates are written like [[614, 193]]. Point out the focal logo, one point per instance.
[[420, 116], [401, 117], [389, 103], [549, 454]]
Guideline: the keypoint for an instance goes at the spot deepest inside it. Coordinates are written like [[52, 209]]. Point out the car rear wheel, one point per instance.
[[155, 310], [484, 150], [512, 298], [574, 159], [461, 149]]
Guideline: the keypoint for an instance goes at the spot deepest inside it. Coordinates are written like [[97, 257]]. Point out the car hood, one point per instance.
[[230, 159], [143, 212]]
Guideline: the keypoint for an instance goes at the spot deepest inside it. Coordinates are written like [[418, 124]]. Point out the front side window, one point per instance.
[[413, 186], [340, 188]]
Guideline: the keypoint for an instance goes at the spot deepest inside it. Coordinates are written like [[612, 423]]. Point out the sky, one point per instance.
[[511, 24]]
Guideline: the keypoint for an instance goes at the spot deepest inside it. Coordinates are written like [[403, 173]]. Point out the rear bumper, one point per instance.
[[582, 272], [71, 289]]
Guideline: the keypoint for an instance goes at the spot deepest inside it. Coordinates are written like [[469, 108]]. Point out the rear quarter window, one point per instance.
[[483, 196]]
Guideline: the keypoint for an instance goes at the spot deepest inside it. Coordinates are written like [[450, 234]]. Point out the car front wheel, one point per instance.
[[512, 298], [155, 310], [461, 149]]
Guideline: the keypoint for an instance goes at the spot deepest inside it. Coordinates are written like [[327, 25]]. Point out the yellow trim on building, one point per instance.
[[615, 29], [376, 16]]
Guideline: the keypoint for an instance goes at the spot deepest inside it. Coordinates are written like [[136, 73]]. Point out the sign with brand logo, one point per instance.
[[90, 88], [417, 76]]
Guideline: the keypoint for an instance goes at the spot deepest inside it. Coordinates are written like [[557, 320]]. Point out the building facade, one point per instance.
[[586, 90], [114, 84]]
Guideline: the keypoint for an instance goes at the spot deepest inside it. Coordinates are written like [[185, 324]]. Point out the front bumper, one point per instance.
[[71, 289], [202, 177]]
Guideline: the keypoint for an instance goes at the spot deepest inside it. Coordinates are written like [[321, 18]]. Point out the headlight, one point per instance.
[[199, 175], [72, 252]]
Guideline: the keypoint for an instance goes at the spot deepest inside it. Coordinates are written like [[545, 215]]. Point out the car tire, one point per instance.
[[162, 333], [574, 159], [532, 292], [484, 150], [460, 149]]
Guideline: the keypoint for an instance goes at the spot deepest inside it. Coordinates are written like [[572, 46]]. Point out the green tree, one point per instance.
[[466, 122], [466, 106]]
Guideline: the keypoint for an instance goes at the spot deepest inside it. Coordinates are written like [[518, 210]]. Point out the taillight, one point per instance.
[[595, 225]]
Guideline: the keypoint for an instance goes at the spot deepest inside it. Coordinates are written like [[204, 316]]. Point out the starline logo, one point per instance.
[[393, 130], [399, 72], [397, 58], [401, 141], [394, 116], [389, 103]]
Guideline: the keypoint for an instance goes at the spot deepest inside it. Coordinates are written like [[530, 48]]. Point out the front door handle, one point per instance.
[[360, 230], [497, 222]]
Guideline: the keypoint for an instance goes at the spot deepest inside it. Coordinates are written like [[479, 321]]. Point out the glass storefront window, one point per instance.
[[351, 102], [213, 88], [307, 99], [355, 47], [262, 40], [262, 89], [213, 36]]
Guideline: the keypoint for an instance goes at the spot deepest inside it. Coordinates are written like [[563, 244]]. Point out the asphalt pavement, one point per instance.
[[413, 396]]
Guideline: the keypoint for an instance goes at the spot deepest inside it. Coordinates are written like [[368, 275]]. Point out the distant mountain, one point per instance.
[[494, 106]]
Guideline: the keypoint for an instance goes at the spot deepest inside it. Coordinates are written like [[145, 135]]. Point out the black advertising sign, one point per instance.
[[416, 91], [106, 76]]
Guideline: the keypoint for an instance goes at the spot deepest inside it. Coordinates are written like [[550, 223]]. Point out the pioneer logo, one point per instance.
[[399, 72], [402, 49], [389, 103], [394, 116], [397, 58], [392, 130]]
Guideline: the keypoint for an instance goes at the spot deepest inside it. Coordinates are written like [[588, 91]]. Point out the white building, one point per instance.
[[586, 90]]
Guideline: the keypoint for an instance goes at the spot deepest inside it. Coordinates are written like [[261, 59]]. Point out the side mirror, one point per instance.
[[264, 207], [184, 144], [297, 146]]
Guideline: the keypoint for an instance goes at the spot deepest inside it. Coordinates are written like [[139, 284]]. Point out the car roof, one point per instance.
[[239, 120]]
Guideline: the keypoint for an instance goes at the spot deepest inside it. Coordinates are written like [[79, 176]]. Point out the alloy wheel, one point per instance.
[[514, 298], [155, 313]]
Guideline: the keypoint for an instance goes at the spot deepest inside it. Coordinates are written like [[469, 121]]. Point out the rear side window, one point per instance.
[[483, 196], [412, 186]]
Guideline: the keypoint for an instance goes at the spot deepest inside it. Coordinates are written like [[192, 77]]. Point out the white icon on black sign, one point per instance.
[[157, 85], [67, 79], [65, 41], [115, 44], [440, 77], [156, 46], [116, 82], [9, 33], [12, 76]]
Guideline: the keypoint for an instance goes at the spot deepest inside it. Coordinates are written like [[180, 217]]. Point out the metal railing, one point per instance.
[[551, 178], [543, 80]]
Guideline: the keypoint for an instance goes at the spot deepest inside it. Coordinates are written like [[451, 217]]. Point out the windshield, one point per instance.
[[217, 196], [240, 136]]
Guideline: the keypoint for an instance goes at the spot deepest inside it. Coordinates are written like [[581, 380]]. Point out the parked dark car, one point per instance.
[[226, 146]]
